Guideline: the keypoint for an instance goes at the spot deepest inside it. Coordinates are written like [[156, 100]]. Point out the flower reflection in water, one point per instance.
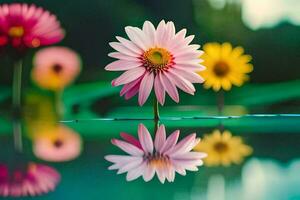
[[164, 156], [51, 141], [57, 144], [223, 149], [29, 179]]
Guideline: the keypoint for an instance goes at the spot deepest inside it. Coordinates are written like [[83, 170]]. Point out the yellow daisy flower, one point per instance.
[[223, 149], [225, 66]]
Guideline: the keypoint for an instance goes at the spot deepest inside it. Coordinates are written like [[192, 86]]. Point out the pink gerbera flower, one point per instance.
[[29, 180], [159, 58], [57, 144], [164, 157], [54, 68], [23, 25]]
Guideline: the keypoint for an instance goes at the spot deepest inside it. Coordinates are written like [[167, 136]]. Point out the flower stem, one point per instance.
[[155, 109], [220, 102], [156, 113], [16, 103]]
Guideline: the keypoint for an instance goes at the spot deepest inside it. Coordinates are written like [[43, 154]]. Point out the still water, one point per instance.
[[270, 172]]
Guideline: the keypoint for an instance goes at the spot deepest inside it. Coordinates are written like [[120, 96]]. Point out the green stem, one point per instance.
[[155, 109], [16, 101], [156, 113]]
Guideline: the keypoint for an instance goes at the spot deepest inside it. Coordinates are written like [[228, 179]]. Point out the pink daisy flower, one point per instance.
[[57, 144], [163, 156], [54, 68], [30, 180], [28, 26], [159, 58]]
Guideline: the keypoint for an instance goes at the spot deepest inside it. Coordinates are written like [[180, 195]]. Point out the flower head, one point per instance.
[[55, 67], [225, 66], [28, 26], [159, 58], [29, 180], [57, 144], [223, 149], [163, 156]]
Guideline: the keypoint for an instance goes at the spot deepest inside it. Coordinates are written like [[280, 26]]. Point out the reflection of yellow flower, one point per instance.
[[225, 66], [57, 144], [39, 113], [223, 149]]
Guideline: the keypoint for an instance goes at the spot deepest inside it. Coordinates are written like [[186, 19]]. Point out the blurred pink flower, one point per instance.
[[57, 144], [164, 157], [55, 67], [159, 58], [28, 26], [30, 180]]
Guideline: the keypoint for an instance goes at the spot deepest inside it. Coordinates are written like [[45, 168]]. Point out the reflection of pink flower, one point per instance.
[[58, 144], [164, 157], [159, 58], [22, 25], [55, 67], [34, 179]]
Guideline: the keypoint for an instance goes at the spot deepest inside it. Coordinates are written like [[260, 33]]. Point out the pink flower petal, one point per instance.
[[160, 138], [129, 76], [132, 92], [145, 88], [188, 164], [122, 65], [171, 141], [121, 56], [160, 33], [170, 87], [128, 148], [130, 165], [137, 172], [161, 175], [191, 156], [122, 49], [149, 30], [130, 45], [120, 159], [148, 173], [136, 36], [145, 139], [159, 90], [132, 140], [129, 86], [190, 76], [178, 168], [183, 146], [182, 83]]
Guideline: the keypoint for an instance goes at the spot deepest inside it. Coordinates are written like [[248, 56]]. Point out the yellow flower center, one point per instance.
[[159, 162], [157, 59], [16, 31], [220, 147], [221, 69]]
